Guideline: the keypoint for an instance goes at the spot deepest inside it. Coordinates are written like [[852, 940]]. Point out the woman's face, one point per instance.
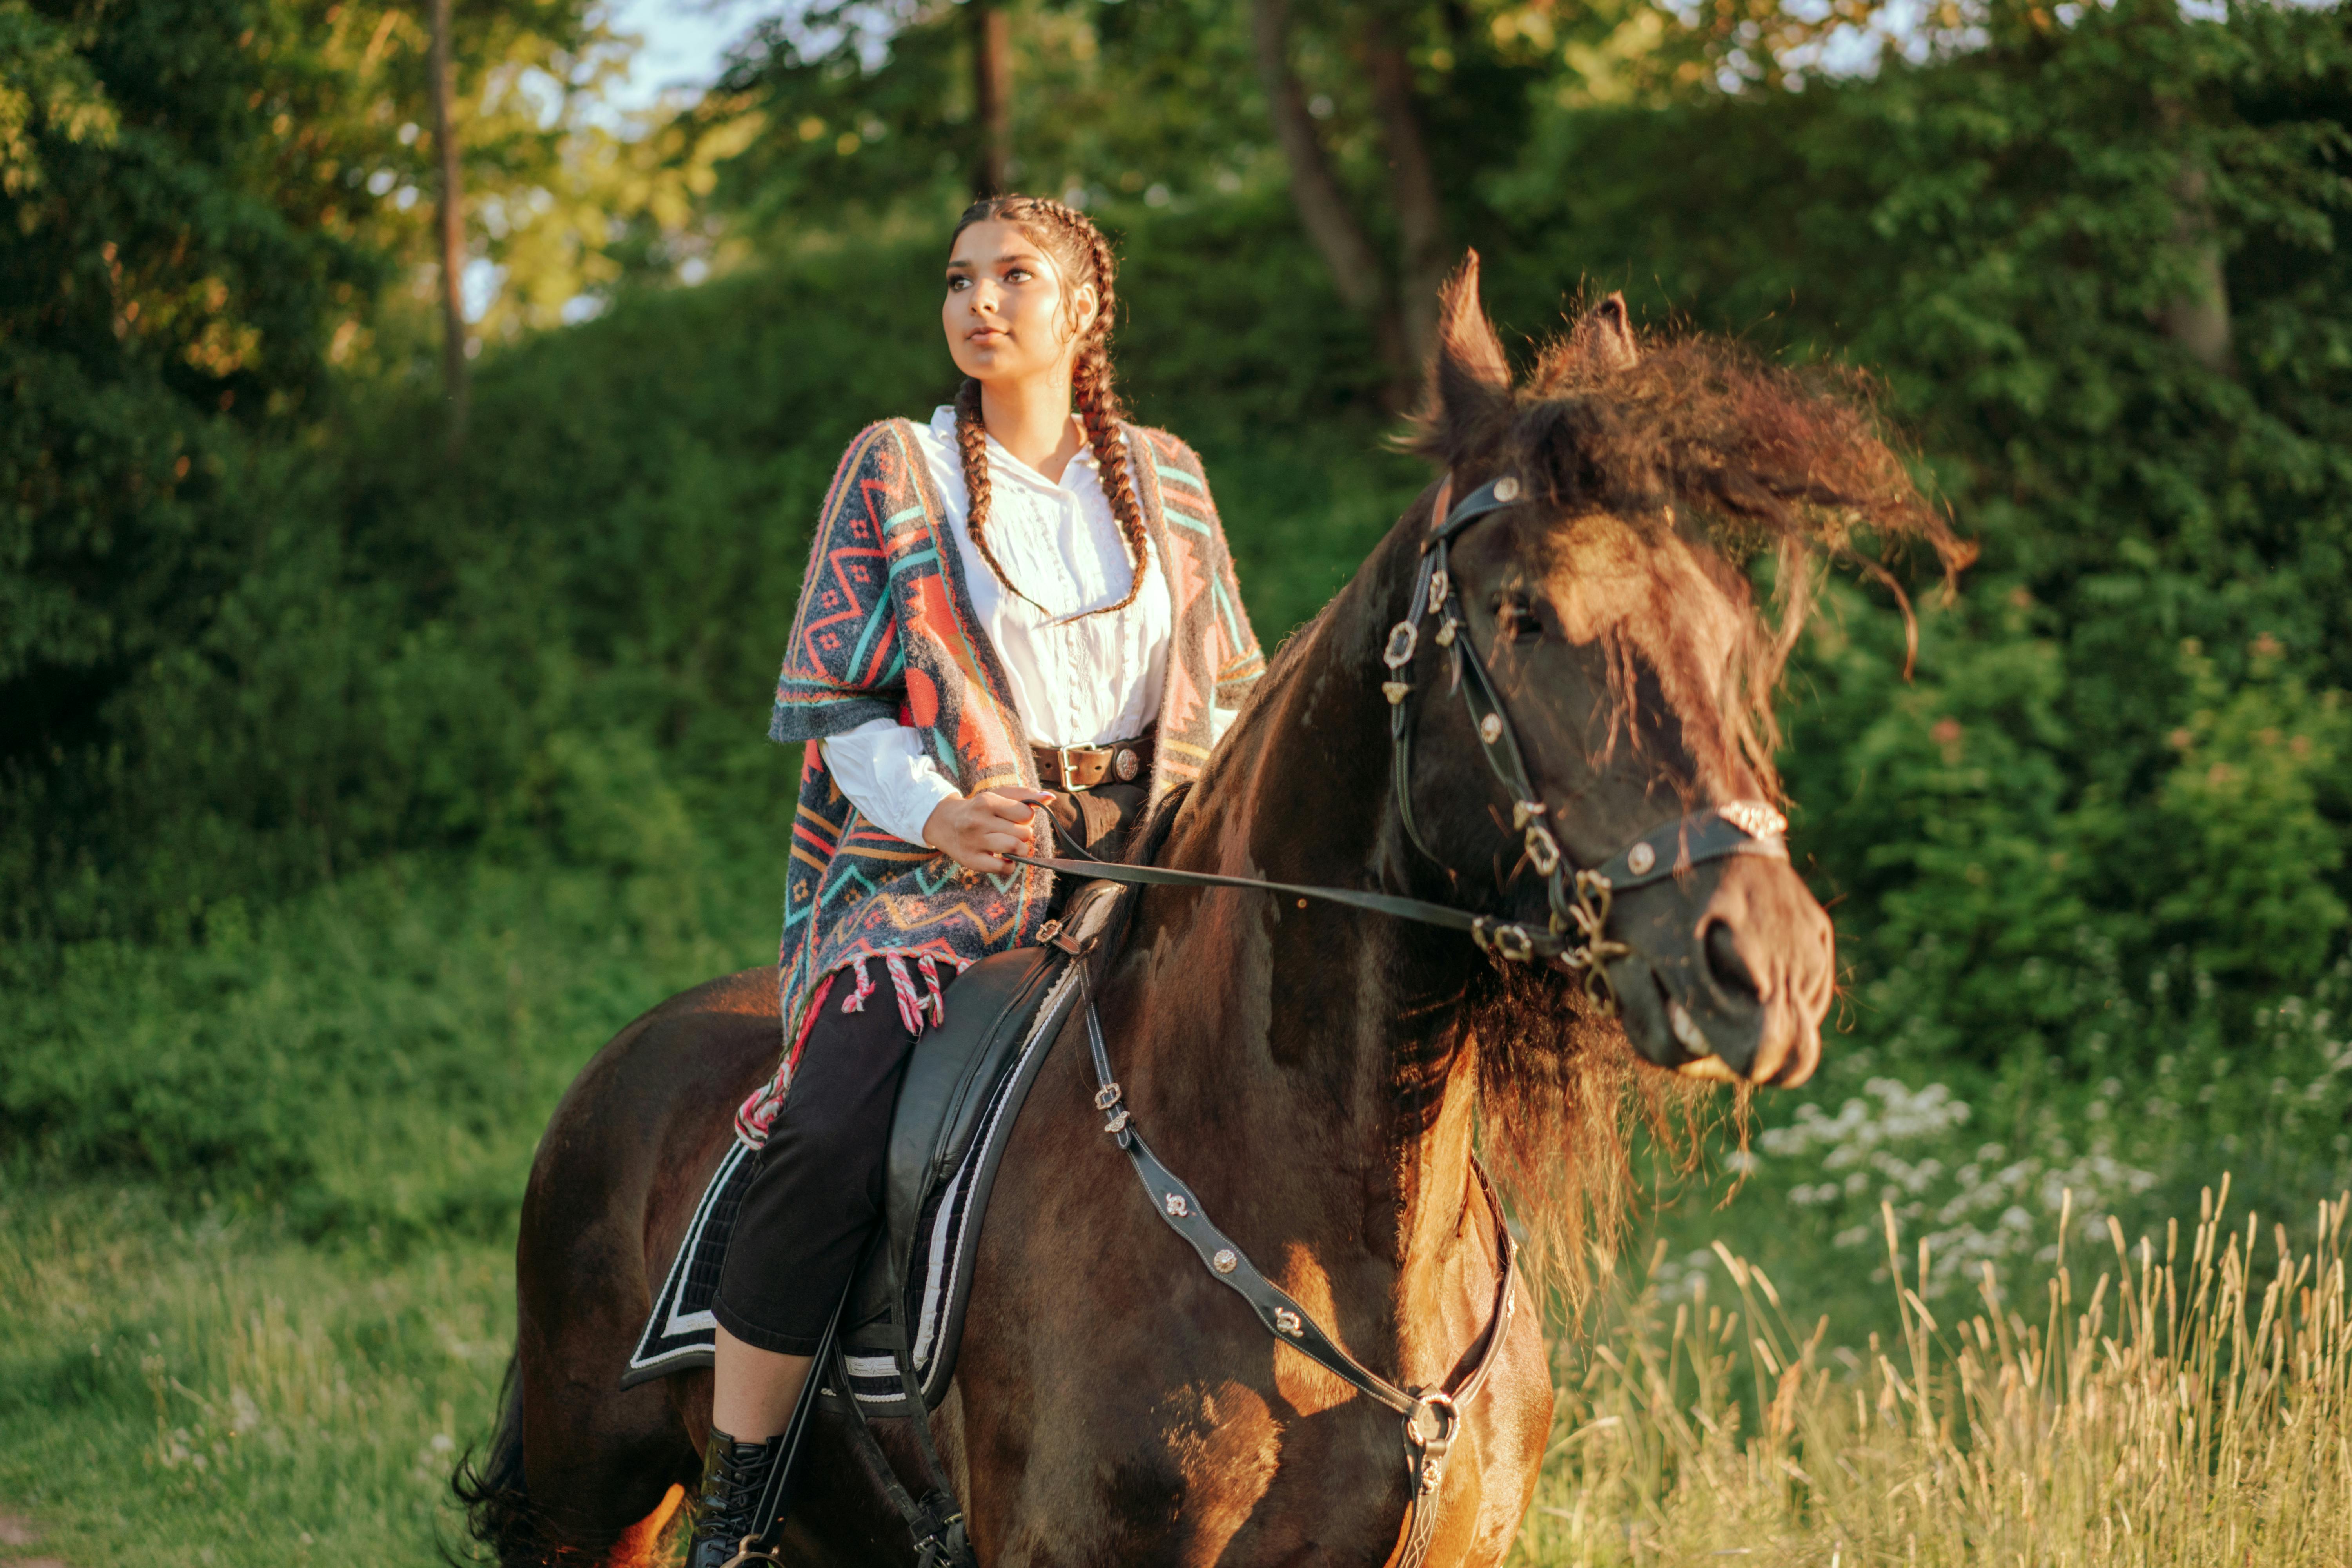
[[1006, 314]]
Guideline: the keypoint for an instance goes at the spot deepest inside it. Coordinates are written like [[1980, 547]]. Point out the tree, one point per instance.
[[451, 222], [992, 94]]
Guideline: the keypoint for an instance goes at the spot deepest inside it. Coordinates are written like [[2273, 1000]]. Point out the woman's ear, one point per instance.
[[1086, 305]]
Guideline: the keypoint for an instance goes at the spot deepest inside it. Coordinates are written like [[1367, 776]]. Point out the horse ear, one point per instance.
[[1469, 378], [1603, 340]]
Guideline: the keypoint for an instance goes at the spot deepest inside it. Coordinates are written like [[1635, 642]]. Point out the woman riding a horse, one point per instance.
[[1539, 714], [1016, 596]]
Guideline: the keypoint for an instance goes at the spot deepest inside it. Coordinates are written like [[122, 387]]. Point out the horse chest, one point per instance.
[[1116, 1405]]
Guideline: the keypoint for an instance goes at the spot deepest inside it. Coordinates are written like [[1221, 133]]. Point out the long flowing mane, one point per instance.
[[1743, 460], [1700, 435]]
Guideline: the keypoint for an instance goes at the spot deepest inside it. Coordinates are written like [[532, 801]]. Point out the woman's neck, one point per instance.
[[1031, 419]]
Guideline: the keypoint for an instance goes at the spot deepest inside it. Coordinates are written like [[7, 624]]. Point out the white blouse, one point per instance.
[[1076, 680]]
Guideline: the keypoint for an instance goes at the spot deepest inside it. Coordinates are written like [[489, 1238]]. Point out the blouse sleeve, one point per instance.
[[882, 768]]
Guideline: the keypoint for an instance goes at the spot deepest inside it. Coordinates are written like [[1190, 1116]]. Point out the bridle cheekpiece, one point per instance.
[[1576, 936]]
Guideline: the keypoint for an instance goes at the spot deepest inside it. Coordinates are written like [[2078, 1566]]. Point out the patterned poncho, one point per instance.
[[886, 629]]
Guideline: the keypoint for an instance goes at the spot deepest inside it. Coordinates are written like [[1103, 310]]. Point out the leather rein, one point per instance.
[[1576, 936]]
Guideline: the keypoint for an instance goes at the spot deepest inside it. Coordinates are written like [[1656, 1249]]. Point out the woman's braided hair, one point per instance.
[[1078, 247]]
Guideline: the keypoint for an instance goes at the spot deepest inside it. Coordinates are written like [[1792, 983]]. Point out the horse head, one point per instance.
[[1599, 595]]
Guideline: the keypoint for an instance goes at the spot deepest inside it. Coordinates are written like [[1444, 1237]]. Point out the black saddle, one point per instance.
[[964, 1087]]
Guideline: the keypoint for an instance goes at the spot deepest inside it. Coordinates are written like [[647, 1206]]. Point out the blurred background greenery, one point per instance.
[[356, 781]]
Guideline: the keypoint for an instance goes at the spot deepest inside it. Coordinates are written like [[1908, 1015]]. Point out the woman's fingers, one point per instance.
[[998, 804], [985, 827]]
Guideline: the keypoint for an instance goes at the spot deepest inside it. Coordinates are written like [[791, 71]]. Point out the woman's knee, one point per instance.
[[833, 1143]]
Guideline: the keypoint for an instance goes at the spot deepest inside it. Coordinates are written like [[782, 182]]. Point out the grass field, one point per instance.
[[265, 1338]]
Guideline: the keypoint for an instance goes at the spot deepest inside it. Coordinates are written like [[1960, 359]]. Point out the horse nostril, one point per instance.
[[1724, 962]]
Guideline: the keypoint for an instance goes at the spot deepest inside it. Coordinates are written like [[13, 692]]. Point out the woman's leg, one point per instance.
[[815, 1202], [756, 1389]]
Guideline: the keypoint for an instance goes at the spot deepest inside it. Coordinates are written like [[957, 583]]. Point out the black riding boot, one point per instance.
[[733, 1475]]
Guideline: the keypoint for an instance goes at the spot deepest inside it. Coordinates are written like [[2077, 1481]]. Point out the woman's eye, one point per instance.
[[956, 285], [1018, 274]]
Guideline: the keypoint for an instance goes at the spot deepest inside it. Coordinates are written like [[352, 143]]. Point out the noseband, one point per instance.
[[1576, 936]]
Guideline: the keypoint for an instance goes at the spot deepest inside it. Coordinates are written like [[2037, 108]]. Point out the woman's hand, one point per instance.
[[978, 830]]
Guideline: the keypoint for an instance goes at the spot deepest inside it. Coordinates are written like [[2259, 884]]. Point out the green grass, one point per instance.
[[184, 1388], [259, 1332], [2181, 1401], [259, 1199]]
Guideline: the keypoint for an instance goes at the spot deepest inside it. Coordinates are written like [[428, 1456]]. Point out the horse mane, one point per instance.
[[1742, 460], [1697, 436], [1561, 1097]]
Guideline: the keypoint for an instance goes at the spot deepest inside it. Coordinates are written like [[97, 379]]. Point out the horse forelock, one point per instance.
[[1711, 457]]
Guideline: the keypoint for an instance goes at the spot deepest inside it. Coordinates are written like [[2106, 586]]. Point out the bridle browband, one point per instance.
[[1576, 936]]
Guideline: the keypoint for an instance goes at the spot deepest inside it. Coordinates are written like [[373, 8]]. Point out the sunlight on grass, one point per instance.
[[176, 1391], [188, 1389], [2189, 1407]]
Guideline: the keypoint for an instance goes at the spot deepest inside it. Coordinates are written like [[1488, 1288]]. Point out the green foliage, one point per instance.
[[2111, 788], [2002, 236], [373, 1059]]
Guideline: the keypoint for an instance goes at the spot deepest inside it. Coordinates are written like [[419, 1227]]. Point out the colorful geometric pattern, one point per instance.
[[886, 629]]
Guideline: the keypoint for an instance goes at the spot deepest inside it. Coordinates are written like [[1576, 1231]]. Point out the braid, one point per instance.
[[1099, 407], [1086, 257], [971, 446]]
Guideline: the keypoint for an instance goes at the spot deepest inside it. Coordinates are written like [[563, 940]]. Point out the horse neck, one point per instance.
[[1310, 1059]]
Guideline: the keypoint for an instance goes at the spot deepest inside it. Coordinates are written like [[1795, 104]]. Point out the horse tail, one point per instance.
[[499, 1511]]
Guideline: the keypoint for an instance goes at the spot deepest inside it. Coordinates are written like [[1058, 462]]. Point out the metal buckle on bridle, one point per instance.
[[1543, 849], [1509, 941], [1593, 895], [1427, 1450]]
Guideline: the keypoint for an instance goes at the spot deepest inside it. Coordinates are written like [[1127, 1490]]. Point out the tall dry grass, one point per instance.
[[2189, 1407]]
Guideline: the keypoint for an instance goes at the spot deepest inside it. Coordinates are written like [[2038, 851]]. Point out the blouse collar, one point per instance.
[[943, 425]]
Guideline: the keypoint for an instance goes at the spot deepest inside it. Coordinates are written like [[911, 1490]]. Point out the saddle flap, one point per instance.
[[949, 1076], [962, 1093]]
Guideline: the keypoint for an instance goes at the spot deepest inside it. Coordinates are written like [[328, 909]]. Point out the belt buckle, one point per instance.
[[1069, 776]]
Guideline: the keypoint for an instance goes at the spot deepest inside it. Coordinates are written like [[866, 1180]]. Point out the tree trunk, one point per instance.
[[453, 233], [1412, 187], [2198, 320], [1322, 207], [991, 82]]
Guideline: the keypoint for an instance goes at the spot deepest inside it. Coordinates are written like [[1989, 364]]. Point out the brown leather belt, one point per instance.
[[1083, 767]]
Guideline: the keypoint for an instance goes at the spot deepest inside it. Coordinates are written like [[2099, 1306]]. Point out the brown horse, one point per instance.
[[1317, 1075]]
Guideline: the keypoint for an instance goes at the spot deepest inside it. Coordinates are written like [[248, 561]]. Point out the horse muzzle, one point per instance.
[[1728, 972]]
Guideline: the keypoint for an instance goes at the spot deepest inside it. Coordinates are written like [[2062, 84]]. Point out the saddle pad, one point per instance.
[[680, 1332]]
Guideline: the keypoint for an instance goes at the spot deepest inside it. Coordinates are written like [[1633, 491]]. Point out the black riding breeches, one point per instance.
[[815, 1197]]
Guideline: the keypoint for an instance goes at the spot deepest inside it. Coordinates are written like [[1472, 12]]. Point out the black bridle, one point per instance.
[[1576, 936], [1579, 900]]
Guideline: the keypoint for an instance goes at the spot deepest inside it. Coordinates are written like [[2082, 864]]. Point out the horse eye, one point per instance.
[[1517, 619]]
